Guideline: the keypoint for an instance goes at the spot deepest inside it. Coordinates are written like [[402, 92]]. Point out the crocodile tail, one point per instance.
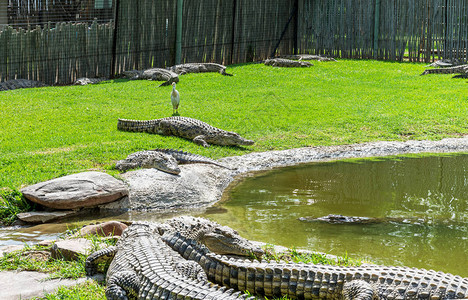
[[137, 125]]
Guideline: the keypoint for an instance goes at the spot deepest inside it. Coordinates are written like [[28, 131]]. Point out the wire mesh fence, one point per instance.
[[58, 41]]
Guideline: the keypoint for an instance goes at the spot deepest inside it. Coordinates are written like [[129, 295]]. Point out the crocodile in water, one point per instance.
[[340, 219], [199, 68], [309, 281], [282, 62], [144, 267], [156, 74], [165, 160], [199, 132]]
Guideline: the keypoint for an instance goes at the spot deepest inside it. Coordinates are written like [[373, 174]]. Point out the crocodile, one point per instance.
[[86, 80], [165, 160], [282, 62], [340, 219], [310, 281], [14, 84], [461, 69], [307, 57], [199, 132], [199, 68], [144, 267], [218, 239], [444, 63], [156, 74]]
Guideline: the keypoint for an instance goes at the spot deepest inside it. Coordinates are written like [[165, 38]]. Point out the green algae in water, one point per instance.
[[420, 200]]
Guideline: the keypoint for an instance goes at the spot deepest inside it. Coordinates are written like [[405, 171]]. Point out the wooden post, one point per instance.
[[3, 13], [376, 28]]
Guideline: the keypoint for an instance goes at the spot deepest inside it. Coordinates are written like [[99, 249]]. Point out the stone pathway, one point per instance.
[[23, 285]]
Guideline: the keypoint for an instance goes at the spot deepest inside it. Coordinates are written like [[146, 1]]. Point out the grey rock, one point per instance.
[[76, 191], [10, 248], [110, 228], [197, 185], [44, 216], [70, 249]]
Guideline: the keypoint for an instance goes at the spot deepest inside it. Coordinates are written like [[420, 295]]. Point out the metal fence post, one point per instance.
[[233, 32], [296, 25], [376, 28], [114, 39], [178, 44]]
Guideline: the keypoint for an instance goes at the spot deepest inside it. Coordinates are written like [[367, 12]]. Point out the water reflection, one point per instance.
[[432, 188]]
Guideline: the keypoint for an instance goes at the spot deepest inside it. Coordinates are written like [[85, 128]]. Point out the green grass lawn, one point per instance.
[[54, 131]]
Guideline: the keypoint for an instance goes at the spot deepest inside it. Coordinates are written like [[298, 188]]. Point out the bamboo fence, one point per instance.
[[141, 34], [416, 30]]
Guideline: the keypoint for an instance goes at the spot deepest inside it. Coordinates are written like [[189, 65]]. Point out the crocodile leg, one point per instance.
[[200, 140], [359, 290], [104, 255], [122, 286], [192, 270]]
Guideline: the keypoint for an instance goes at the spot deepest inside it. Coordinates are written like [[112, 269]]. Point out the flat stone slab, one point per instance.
[[76, 191], [44, 216], [69, 249], [23, 285]]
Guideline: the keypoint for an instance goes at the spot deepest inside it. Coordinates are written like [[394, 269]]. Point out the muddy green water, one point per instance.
[[426, 195]]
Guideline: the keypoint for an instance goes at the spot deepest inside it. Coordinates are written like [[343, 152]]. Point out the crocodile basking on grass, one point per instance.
[[165, 160], [309, 281], [199, 68], [199, 132], [307, 57], [461, 69], [144, 267], [446, 62], [155, 74], [282, 62], [14, 84]]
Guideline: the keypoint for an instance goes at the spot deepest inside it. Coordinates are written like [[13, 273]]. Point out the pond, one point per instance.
[[419, 202]]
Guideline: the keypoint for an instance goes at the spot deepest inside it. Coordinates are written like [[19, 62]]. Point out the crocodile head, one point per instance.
[[218, 239], [229, 138], [166, 163]]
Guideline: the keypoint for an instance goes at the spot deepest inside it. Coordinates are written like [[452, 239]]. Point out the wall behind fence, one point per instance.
[[126, 34], [56, 54]]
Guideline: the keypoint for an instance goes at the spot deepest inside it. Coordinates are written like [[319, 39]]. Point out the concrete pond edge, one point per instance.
[[199, 186]]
